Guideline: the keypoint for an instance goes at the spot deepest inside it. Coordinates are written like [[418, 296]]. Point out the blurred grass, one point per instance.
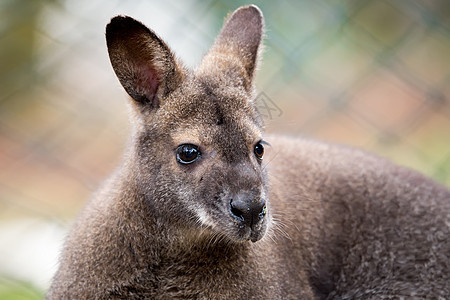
[[17, 290]]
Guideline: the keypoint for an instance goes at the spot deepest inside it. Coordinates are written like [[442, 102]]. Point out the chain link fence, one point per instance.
[[373, 74]]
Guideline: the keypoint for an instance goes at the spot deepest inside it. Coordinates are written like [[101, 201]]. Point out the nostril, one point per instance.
[[237, 210], [263, 212], [259, 209]]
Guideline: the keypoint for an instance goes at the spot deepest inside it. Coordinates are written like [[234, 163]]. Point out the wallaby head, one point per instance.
[[197, 136]]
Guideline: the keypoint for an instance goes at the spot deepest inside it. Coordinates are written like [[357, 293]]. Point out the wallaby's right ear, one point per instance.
[[144, 64]]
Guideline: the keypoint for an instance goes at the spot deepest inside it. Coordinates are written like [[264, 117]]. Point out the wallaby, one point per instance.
[[196, 212]]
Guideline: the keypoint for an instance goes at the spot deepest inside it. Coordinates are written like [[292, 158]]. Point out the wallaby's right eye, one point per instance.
[[187, 154]]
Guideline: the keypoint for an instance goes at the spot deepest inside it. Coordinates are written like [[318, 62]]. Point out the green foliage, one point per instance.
[[11, 289]]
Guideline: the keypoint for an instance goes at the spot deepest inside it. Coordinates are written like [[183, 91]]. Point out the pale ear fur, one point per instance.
[[144, 64], [237, 45]]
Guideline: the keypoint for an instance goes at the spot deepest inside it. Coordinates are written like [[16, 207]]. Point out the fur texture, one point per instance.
[[311, 220]]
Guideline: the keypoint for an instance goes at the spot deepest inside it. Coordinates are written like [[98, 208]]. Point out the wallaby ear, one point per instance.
[[144, 64], [240, 39]]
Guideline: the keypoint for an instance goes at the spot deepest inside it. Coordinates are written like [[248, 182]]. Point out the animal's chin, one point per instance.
[[254, 236], [234, 231], [239, 234]]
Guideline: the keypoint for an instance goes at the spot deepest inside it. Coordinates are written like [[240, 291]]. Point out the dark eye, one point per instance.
[[259, 150], [187, 154]]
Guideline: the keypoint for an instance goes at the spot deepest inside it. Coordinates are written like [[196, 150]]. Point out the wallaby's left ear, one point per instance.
[[239, 41]]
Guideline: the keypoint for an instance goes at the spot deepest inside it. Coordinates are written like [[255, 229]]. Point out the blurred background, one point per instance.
[[372, 74]]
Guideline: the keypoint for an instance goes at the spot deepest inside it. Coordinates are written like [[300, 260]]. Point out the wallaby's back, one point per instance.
[[376, 228], [198, 210]]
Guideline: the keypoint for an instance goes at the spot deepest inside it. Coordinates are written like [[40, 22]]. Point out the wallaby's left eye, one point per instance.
[[259, 150], [187, 154]]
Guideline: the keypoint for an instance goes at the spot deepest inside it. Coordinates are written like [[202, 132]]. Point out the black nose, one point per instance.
[[247, 211]]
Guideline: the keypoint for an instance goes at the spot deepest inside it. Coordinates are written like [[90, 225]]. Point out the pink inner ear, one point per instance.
[[148, 82]]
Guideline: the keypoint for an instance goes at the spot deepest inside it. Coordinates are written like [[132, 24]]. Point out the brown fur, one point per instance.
[[339, 224]]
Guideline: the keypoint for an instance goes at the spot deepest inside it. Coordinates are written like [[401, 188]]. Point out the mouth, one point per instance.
[[256, 235], [239, 232], [245, 234]]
